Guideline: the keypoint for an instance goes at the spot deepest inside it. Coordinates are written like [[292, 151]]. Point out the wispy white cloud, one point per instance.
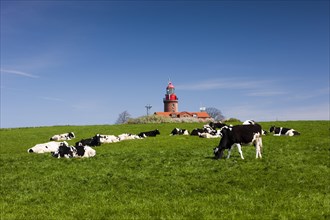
[[266, 93], [226, 83], [19, 73], [266, 113], [52, 99]]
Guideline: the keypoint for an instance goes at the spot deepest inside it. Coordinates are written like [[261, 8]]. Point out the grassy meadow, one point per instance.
[[166, 177]]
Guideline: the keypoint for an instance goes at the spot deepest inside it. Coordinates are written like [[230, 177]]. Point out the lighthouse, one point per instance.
[[170, 100], [171, 107]]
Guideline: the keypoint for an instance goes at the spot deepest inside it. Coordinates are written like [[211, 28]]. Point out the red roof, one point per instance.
[[170, 86], [184, 114]]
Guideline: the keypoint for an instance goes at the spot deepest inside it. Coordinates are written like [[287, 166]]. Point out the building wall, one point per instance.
[[171, 106]]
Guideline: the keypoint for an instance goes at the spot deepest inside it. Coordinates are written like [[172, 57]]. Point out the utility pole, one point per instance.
[[148, 107]]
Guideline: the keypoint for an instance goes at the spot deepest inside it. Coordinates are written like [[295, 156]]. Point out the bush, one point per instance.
[[155, 119], [152, 119], [232, 120]]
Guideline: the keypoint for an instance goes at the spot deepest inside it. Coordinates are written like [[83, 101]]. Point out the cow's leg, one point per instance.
[[258, 150], [258, 146], [229, 152], [240, 151]]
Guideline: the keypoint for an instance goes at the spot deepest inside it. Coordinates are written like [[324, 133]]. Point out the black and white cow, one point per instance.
[[197, 131], [252, 122], [51, 146], [108, 138], [127, 136], [216, 125], [239, 135], [179, 131], [249, 122], [64, 150], [67, 151], [63, 137], [149, 133], [213, 134], [203, 132], [278, 131], [84, 151], [94, 141]]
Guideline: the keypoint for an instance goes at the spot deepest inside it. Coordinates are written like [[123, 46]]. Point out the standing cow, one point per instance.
[[239, 135]]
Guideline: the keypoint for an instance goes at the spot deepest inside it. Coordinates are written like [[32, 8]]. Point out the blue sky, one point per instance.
[[85, 62]]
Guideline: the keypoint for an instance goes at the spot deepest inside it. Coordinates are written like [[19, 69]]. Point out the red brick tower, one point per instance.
[[170, 100]]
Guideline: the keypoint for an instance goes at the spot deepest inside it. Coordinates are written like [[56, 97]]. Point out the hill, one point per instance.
[[166, 177]]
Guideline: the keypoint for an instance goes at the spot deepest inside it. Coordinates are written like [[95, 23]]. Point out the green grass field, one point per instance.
[[167, 177]]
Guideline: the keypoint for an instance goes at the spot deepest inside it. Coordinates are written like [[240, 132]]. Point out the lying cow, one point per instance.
[[239, 135], [216, 125], [94, 141], [64, 150], [179, 131], [149, 133], [63, 137], [108, 138], [67, 151], [85, 151], [51, 146], [198, 131], [278, 131], [127, 136], [216, 134]]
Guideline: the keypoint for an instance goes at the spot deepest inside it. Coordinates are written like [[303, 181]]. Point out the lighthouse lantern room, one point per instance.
[[170, 100]]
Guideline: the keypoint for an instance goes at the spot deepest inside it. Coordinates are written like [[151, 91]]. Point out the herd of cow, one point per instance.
[[249, 133]]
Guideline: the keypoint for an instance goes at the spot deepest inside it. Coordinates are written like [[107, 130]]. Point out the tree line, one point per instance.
[[214, 113]]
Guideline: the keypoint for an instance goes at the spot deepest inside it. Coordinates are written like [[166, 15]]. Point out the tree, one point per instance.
[[215, 113], [123, 117]]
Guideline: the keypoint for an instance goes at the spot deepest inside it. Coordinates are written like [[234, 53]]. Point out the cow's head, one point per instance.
[[218, 153], [71, 135], [157, 131], [224, 142], [271, 129]]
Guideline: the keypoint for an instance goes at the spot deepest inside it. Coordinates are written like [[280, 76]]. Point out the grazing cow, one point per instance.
[[149, 133], [108, 138], [252, 122], [278, 131], [179, 131], [94, 141], [126, 136], [239, 135], [63, 137], [51, 146]]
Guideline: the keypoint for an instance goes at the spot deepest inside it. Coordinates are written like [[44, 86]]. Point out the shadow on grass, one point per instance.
[[211, 158]]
